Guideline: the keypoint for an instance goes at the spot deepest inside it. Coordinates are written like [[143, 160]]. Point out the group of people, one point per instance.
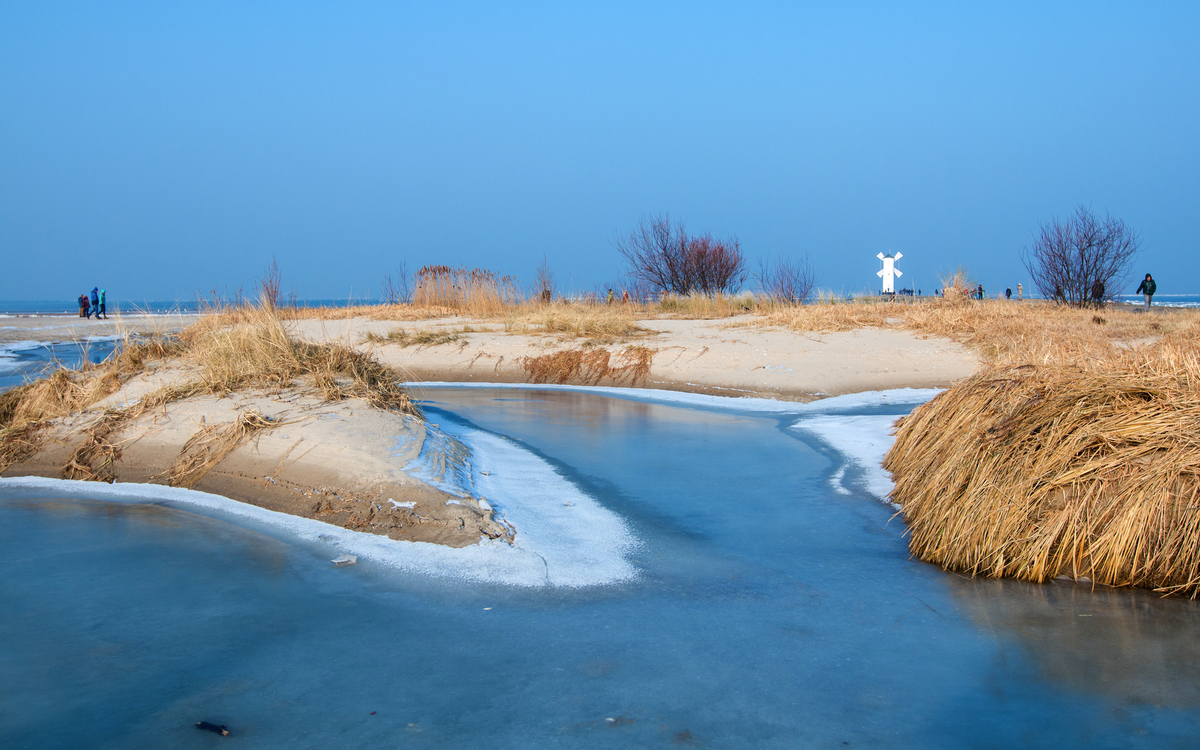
[[93, 304], [1147, 289]]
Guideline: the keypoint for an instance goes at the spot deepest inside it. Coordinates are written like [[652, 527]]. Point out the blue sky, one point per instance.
[[163, 148]]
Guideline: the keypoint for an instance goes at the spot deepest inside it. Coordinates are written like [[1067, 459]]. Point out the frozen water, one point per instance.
[[767, 611], [21, 361]]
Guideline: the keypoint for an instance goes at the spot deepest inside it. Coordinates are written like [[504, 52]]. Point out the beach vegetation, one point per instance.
[[1088, 469], [787, 280], [1082, 260], [669, 260], [591, 366]]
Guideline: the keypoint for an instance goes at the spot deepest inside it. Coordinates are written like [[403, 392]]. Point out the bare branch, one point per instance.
[[1082, 260]]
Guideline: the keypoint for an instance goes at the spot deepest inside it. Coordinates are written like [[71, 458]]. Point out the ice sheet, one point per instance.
[[732, 403]]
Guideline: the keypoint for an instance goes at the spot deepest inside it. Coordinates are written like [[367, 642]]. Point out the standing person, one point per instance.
[[103, 305], [610, 296], [95, 302], [1147, 288], [1008, 293], [1018, 292], [81, 300], [979, 292]]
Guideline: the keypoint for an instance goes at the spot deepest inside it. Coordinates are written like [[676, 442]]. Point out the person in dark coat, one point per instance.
[[83, 306], [1147, 288], [1098, 293]]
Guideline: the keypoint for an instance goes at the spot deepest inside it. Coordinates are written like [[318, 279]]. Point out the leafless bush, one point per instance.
[[543, 283], [270, 285], [1082, 260], [396, 291], [786, 280], [669, 260]]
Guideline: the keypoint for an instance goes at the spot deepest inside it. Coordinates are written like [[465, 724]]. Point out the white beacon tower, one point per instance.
[[889, 272]]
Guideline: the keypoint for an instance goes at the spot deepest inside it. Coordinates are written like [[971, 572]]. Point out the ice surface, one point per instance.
[[584, 545], [849, 402], [863, 440]]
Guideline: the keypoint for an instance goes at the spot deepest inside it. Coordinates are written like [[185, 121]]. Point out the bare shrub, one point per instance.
[[1081, 260], [669, 260], [543, 282], [396, 291], [786, 280], [270, 286]]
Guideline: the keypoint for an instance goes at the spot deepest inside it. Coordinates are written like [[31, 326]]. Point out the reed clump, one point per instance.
[[1088, 470], [477, 291]]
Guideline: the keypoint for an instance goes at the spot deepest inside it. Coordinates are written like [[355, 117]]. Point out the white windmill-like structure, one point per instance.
[[889, 272]]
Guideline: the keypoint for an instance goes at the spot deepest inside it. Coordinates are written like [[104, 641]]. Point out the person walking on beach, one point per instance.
[[83, 306], [95, 302], [1008, 293], [103, 306], [1147, 289], [1018, 292]]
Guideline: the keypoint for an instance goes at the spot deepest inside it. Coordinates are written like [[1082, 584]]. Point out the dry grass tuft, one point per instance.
[[602, 324], [418, 338], [20, 443], [211, 445], [705, 307], [590, 366], [1089, 470], [260, 353]]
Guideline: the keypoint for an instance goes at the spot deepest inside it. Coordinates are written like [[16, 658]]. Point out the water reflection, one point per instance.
[[1131, 646]]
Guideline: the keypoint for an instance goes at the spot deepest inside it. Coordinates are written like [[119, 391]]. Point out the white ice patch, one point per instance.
[[863, 440], [575, 540]]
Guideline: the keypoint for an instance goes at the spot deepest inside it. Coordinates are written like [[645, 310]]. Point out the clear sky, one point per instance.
[[160, 148]]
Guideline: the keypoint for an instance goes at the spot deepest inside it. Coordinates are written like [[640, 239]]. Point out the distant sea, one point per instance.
[[144, 307]]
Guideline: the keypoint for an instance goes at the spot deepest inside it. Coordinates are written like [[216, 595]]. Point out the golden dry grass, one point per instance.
[[243, 348], [601, 324], [590, 366], [261, 352], [1001, 332], [415, 338], [210, 445], [1089, 469]]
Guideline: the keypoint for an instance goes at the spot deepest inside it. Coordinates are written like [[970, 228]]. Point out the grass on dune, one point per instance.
[[1089, 469], [254, 352]]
